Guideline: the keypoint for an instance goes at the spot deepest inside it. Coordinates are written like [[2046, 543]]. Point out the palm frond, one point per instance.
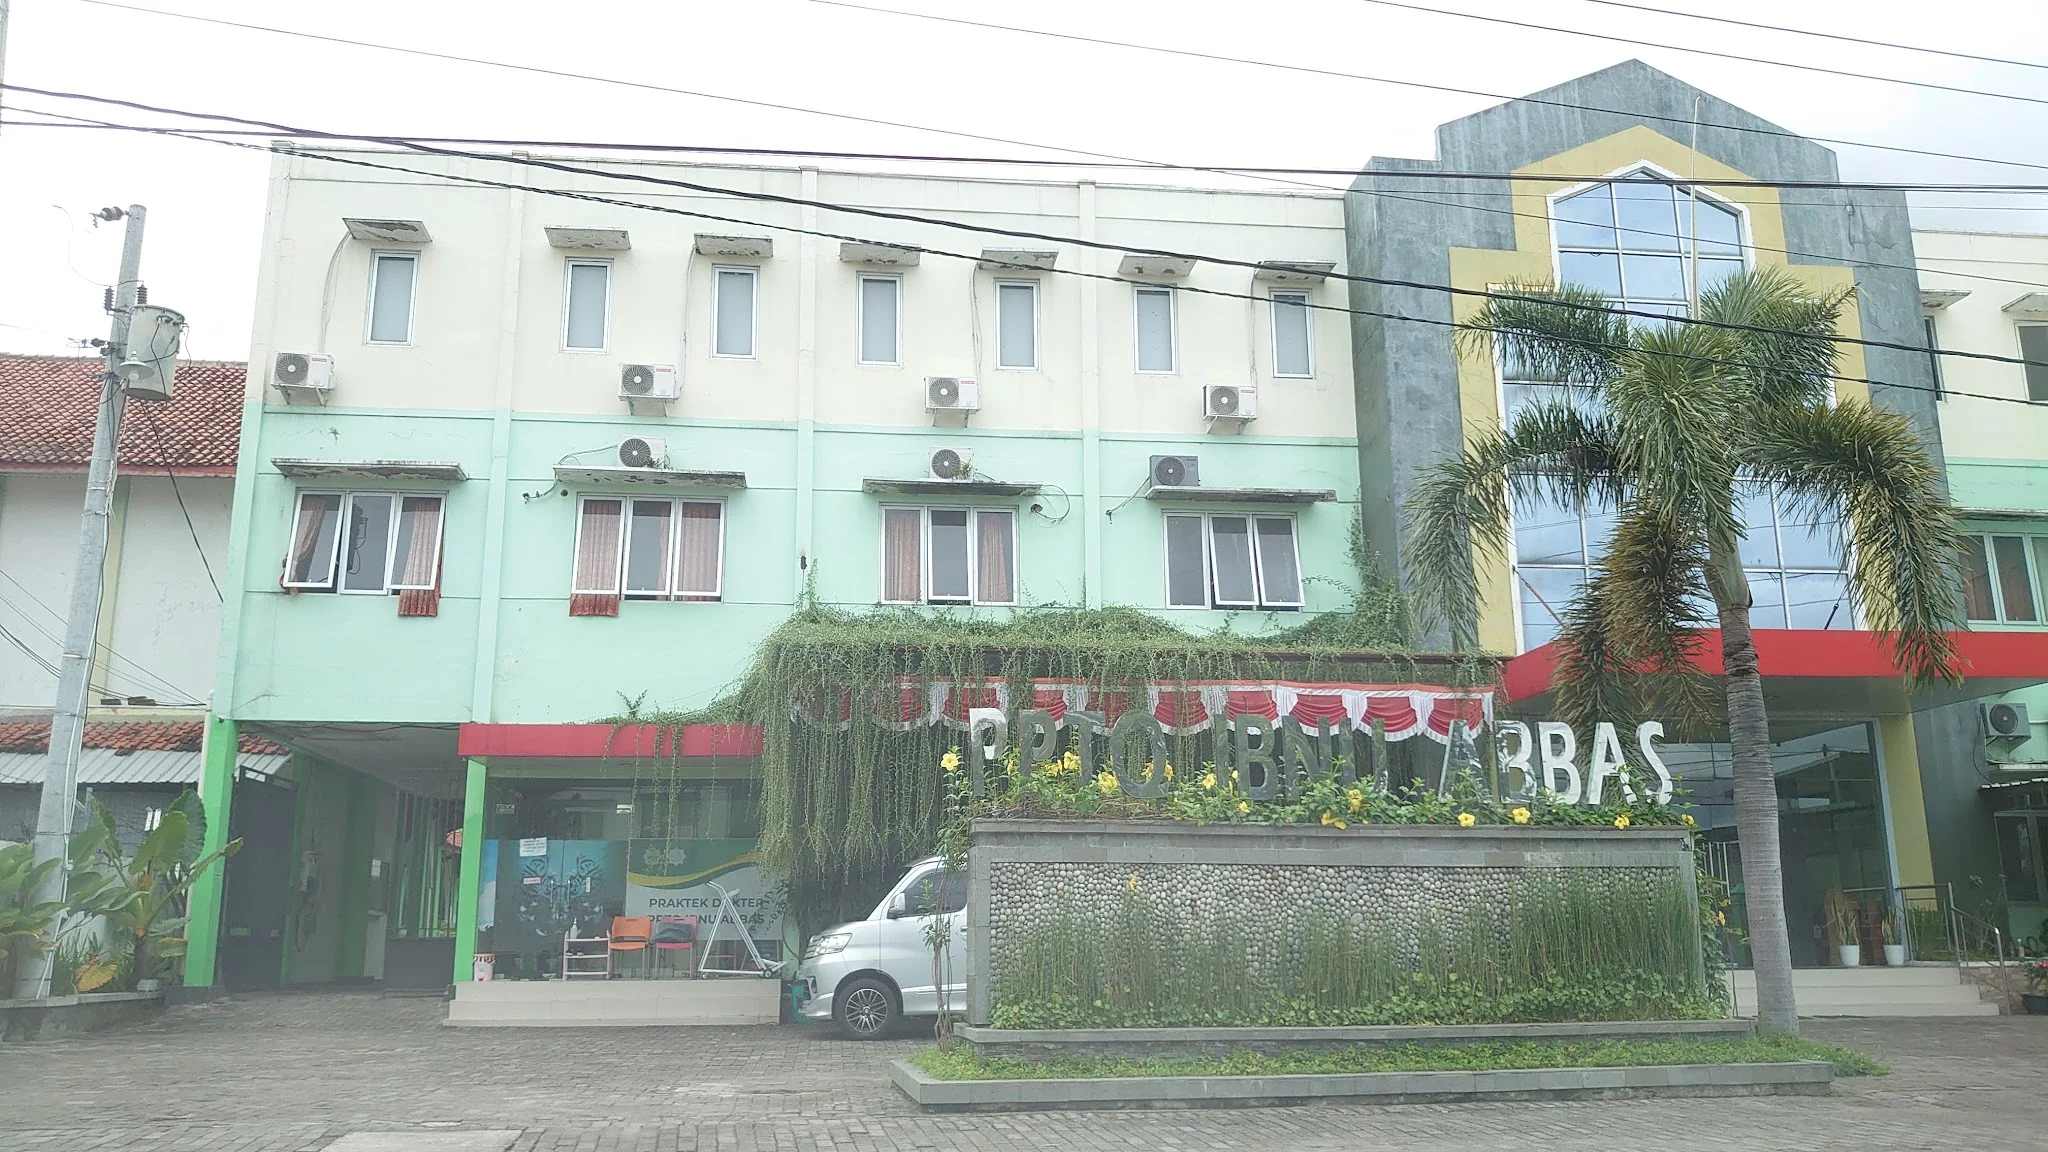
[[1676, 419], [1787, 353], [1552, 449], [1870, 465], [1545, 332]]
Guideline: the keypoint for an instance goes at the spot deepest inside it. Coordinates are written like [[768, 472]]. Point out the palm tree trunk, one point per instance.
[[1756, 804]]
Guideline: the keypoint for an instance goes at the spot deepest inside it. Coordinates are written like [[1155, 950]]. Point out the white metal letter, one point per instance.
[[1559, 745], [1646, 732]]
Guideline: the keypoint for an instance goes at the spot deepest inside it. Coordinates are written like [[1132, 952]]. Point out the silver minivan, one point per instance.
[[865, 974]]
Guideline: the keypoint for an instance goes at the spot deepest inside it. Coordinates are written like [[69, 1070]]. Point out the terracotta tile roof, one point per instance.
[[48, 404], [137, 736]]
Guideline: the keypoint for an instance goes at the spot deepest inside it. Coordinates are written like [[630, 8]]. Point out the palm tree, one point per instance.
[[1668, 424]]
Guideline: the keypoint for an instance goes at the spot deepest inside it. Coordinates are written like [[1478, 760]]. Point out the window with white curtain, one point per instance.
[[949, 555], [881, 319], [650, 548], [1231, 560], [732, 311], [586, 305], [2002, 578], [1017, 324], [393, 283], [362, 543], [1153, 326], [1293, 354]]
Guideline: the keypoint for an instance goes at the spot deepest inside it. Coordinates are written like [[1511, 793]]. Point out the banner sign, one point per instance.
[[674, 878]]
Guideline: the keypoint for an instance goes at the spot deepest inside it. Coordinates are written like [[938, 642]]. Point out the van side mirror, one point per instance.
[[899, 905]]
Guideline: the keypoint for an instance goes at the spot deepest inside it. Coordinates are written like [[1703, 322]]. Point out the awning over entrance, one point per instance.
[[1831, 673]]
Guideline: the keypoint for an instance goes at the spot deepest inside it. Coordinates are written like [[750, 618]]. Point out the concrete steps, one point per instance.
[[615, 1003], [1914, 990]]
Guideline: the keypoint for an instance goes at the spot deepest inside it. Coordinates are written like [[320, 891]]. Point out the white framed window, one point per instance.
[[1631, 238], [364, 543], [733, 322], [2034, 350], [2002, 578], [1017, 324], [394, 287], [586, 305], [1293, 343], [1154, 327], [949, 555], [1245, 560], [649, 548], [1934, 356], [881, 319]]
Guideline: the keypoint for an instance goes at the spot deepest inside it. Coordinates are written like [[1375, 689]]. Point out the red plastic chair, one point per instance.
[[674, 934]]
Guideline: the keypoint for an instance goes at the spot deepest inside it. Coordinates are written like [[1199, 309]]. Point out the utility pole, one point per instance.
[[67, 724]]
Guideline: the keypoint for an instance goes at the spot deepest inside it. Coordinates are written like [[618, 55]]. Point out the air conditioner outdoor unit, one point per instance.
[[952, 464], [2006, 722], [951, 394], [1230, 402], [1176, 472], [649, 382], [643, 452], [303, 370]]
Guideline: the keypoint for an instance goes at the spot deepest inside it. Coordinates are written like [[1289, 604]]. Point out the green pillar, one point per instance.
[[203, 902], [471, 882]]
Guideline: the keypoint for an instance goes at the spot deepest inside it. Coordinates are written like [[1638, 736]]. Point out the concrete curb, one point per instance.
[[22, 1020], [1792, 1078], [1044, 1044]]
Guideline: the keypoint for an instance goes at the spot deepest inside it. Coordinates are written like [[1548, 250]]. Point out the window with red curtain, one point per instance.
[[416, 556], [315, 529], [949, 556], [700, 547], [599, 528], [995, 552], [902, 555]]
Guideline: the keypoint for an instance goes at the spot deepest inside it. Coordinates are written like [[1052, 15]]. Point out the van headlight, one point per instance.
[[827, 944]]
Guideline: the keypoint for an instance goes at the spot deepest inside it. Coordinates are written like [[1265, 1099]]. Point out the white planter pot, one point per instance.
[[148, 985], [1895, 955], [1852, 954]]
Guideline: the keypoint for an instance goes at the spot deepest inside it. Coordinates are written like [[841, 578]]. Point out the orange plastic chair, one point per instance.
[[631, 933]]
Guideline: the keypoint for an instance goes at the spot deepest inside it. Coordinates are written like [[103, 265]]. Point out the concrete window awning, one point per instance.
[[927, 487], [302, 469], [649, 477], [889, 255], [1135, 264], [387, 231], [589, 239], [735, 247], [1017, 260], [1935, 299], [1294, 271], [2031, 303], [1828, 677], [1205, 494]]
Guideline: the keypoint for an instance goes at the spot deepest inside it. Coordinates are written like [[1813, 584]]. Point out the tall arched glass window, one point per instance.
[[1633, 239]]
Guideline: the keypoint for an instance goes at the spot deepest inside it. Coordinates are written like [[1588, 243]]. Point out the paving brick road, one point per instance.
[[307, 1072]]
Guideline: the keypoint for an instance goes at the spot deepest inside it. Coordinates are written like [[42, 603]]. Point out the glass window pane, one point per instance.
[[735, 305], [391, 299], [2015, 589], [1290, 335], [1546, 594], [1187, 583], [902, 555], [1017, 325], [1933, 351], [1759, 547], [366, 551], [1230, 547], [878, 320], [1279, 575], [995, 557], [950, 580], [1818, 600], [1767, 600], [2040, 559], [589, 289], [417, 554], [1718, 231], [1645, 216], [1585, 220], [1155, 329], [597, 547], [699, 546], [1811, 541], [312, 558], [1654, 277], [1712, 272], [1547, 532], [1600, 521], [2016, 857], [1598, 271], [1977, 602], [647, 547], [2034, 350]]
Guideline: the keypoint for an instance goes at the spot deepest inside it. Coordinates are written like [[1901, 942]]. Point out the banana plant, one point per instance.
[[135, 893], [24, 921]]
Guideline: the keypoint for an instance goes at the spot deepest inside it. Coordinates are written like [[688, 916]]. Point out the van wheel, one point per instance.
[[865, 1010]]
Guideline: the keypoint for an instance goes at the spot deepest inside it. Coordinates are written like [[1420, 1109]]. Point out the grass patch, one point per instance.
[[961, 1063]]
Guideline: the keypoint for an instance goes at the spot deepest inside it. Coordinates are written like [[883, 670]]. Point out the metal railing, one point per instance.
[[1933, 928]]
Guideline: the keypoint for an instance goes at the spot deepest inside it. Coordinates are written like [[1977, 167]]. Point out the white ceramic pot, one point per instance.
[[148, 986], [1895, 955], [1852, 954]]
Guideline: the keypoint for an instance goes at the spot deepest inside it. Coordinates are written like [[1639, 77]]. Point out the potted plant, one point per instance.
[[1841, 911], [1894, 949], [2036, 1001]]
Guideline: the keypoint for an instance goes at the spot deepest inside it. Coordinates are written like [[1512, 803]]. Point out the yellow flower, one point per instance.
[[1357, 799], [1106, 784], [1721, 918], [1521, 815], [1687, 820], [1329, 817], [1233, 776], [1466, 819], [1132, 886], [950, 761], [1243, 808], [1621, 821], [1169, 770], [1209, 781], [1069, 765]]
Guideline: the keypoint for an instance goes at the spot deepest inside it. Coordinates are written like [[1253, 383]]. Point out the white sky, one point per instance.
[[206, 201]]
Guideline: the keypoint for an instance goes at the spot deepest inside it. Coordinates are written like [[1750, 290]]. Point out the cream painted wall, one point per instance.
[[473, 281], [1975, 429]]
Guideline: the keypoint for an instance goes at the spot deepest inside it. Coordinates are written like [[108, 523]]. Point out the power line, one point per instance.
[[1820, 35], [650, 87], [992, 230], [1433, 321], [164, 457], [1614, 39], [139, 672]]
